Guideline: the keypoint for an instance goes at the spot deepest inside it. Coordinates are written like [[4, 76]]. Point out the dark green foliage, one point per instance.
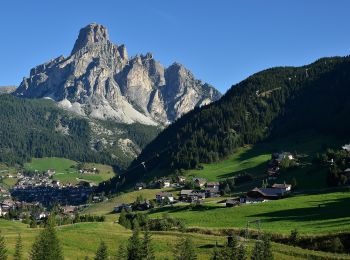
[[294, 237], [262, 249], [242, 254], [258, 251], [18, 249], [184, 249], [147, 248], [101, 253], [29, 129], [269, 104], [3, 250], [123, 220], [267, 251], [216, 253], [134, 247], [46, 245]]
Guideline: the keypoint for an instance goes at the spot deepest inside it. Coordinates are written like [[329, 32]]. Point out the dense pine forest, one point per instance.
[[37, 128], [268, 104]]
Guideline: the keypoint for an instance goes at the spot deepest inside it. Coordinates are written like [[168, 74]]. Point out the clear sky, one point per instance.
[[221, 41]]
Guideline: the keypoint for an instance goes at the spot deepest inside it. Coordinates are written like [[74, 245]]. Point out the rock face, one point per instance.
[[100, 81]]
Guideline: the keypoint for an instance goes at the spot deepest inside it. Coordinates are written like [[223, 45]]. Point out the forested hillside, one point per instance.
[[270, 103], [37, 128]]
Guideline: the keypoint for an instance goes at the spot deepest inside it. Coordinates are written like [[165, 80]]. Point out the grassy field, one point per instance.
[[106, 207], [66, 170], [310, 214], [82, 240], [253, 160]]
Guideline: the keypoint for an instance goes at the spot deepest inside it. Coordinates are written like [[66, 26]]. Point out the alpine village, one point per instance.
[[107, 155]]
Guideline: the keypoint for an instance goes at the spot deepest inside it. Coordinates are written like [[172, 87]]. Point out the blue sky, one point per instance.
[[221, 42]]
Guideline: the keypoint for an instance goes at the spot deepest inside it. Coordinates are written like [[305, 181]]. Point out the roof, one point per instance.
[[185, 192], [281, 186], [199, 179], [213, 184], [164, 194], [268, 191], [346, 147]]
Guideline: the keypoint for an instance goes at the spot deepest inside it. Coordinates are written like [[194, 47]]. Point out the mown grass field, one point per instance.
[[82, 240], [66, 170], [310, 214], [253, 160], [106, 207]]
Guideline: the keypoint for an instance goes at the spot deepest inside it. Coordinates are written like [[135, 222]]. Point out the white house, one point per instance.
[[161, 196]]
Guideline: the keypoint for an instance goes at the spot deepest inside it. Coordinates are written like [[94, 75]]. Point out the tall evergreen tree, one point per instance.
[[216, 253], [46, 245], [18, 250], [147, 249], [242, 254], [230, 249], [184, 250], [267, 248], [258, 251], [101, 253], [3, 250], [134, 247]]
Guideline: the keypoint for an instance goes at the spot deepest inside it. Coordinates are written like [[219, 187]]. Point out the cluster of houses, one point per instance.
[[22, 210], [275, 192], [203, 190], [273, 170]]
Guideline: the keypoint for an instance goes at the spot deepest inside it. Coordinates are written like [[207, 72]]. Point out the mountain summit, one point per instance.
[[99, 80]]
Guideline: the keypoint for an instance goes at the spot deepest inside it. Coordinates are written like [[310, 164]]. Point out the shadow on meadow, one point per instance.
[[324, 210]]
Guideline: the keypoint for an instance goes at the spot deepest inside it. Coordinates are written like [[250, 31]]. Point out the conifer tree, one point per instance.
[[147, 249], [242, 254], [101, 253], [258, 251], [230, 249], [267, 252], [18, 249], [134, 247], [184, 249], [46, 245], [3, 250], [216, 253]]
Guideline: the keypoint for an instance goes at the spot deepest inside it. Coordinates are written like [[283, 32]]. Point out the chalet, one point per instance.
[[181, 179], [145, 205], [140, 186], [212, 192], [40, 215], [184, 194], [232, 203], [162, 196], [284, 187], [199, 182], [196, 196], [120, 207], [164, 183], [283, 155], [213, 185], [68, 210], [265, 193], [346, 147]]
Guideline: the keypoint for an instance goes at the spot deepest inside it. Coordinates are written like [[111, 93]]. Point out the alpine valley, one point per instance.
[[123, 102]]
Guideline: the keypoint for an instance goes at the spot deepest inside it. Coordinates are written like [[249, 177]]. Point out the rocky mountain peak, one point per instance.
[[98, 80], [90, 34]]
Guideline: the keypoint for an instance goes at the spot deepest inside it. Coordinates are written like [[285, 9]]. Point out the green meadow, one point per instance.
[[310, 214], [82, 240]]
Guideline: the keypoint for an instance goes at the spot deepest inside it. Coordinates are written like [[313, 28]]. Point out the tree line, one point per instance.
[[48, 247], [273, 103]]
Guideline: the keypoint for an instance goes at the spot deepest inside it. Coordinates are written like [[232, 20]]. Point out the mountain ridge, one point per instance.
[[99, 80]]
